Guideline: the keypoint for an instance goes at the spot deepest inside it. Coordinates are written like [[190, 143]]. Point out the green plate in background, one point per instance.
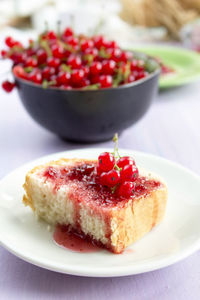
[[186, 64]]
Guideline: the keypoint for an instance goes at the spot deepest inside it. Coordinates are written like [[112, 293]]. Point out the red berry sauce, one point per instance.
[[89, 188], [66, 237]]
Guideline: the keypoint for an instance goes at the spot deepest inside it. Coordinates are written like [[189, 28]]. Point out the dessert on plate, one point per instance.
[[110, 201]]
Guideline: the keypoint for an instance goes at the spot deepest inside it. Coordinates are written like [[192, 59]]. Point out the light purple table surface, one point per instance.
[[170, 129]]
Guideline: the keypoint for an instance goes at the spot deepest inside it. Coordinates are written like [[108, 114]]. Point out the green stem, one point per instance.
[[59, 28], [115, 140], [46, 25], [46, 47], [91, 87]]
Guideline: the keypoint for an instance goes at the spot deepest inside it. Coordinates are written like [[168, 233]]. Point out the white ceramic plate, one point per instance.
[[177, 237]]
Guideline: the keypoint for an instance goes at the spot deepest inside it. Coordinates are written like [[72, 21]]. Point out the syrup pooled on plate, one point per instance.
[[69, 239]]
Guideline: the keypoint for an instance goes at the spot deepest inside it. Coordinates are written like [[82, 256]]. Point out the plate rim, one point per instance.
[[124, 271], [164, 83]]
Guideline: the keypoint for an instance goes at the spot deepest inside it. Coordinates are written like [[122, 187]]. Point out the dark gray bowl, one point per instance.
[[93, 115]]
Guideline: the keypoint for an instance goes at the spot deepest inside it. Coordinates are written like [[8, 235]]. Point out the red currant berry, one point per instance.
[[18, 44], [106, 161], [99, 41], [112, 44], [68, 32], [103, 178], [95, 79], [115, 54], [53, 79], [85, 44], [133, 65], [31, 62], [57, 51], [8, 86], [105, 81], [131, 78], [126, 189], [66, 54], [113, 177], [63, 78], [125, 160], [95, 68], [20, 58], [9, 41], [53, 62], [51, 35], [3, 53], [71, 40], [41, 56], [108, 67], [85, 70], [125, 56], [92, 51], [74, 61], [15, 58], [18, 71], [129, 173], [35, 76], [99, 170], [77, 77], [137, 65], [47, 72], [31, 42], [141, 75], [67, 87], [31, 52], [85, 82]]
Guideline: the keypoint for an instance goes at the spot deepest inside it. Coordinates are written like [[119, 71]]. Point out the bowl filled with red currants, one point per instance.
[[81, 88]]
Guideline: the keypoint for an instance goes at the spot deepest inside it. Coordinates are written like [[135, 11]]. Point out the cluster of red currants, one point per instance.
[[118, 174], [70, 61]]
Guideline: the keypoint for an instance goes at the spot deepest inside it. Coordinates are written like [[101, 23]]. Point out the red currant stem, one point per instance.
[[32, 44], [66, 68], [128, 70], [46, 84], [113, 189], [28, 69], [98, 26], [116, 152], [103, 53], [11, 51], [59, 28], [91, 87], [46, 47], [72, 20], [46, 26], [66, 46], [117, 168], [118, 79], [89, 58]]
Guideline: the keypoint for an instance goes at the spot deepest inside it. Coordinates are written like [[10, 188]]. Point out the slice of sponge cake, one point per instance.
[[68, 192]]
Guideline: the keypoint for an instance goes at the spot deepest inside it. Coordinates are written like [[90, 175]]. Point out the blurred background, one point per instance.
[[127, 21], [132, 23]]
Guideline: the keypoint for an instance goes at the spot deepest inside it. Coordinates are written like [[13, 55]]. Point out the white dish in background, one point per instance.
[[174, 239]]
